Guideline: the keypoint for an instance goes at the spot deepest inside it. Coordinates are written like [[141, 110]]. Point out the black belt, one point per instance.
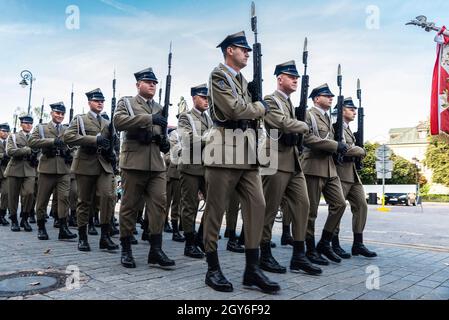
[[144, 137], [240, 124]]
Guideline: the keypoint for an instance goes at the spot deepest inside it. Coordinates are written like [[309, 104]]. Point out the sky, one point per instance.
[[369, 39]]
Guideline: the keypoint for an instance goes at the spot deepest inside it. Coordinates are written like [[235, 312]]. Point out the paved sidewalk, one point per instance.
[[404, 272]]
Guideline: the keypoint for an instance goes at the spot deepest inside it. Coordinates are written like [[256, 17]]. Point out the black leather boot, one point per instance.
[[56, 223], [24, 222], [339, 251], [105, 240], [254, 276], [32, 217], [176, 235], [267, 261], [199, 241], [214, 277], [156, 255], [83, 244], [72, 219], [241, 239], [313, 255], [3, 221], [145, 232], [233, 244], [64, 232], [140, 221], [358, 248], [300, 262], [180, 225], [91, 227], [14, 224], [96, 219], [167, 227], [41, 231], [190, 249], [324, 247], [134, 240], [286, 238], [228, 232], [113, 230], [127, 259]]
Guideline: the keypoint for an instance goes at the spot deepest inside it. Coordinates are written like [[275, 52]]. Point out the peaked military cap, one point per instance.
[[200, 90], [146, 74], [58, 106], [348, 103], [95, 95], [5, 127], [26, 119], [287, 68], [322, 90], [237, 39]]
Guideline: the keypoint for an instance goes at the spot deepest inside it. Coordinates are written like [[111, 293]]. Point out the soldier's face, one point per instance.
[[288, 83], [324, 102], [239, 56], [146, 89], [200, 103], [26, 127], [57, 117], [3, 134], [96, 106], [349, 114]]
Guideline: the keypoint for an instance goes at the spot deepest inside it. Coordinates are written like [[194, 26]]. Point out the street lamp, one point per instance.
[[416, 163], [27, 79]]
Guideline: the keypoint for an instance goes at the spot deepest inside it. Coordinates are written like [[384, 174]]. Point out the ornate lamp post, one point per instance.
[[27, 79]]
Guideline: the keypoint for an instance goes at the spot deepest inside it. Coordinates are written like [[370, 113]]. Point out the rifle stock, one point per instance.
[[359, 135]]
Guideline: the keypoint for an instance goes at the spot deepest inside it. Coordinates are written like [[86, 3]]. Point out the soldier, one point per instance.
[[54, 171], [232, 213], [173, 186], [321, 175], [233, 113], [352, 188], [143, 167], [21, 173], [288, 182], [4, 159], [286, 237], [192, 127], [93, 169]]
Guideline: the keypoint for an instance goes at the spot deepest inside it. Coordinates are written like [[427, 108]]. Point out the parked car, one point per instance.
[[400, 198]]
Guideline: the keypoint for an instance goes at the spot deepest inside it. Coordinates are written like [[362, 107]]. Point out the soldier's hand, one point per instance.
[[159, 120], [58, 142], [103, 142], [27, 150], [164, 146], [342, 148]]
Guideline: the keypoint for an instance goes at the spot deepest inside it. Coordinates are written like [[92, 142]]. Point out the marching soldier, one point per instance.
[[4, 160], [321, 175], [143, 167], [93, 169], [173, 186], [232, 213], [288, 181], [352, 188], [192, 127], [54, 171], [234, 114], [286, 237], [21, 173]]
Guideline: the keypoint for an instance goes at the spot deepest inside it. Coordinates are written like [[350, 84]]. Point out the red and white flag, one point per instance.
[[439, 112]]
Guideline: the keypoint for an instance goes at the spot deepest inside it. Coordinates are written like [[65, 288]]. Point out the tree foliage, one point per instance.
[[437, 158]]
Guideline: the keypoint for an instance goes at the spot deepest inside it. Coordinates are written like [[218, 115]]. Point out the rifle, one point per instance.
[[71, 106], [339, 124], [15, 123], [359, 135], [257, 58], [300, 111], [160, 93], [112, 155], [42, 111], [165, 110]]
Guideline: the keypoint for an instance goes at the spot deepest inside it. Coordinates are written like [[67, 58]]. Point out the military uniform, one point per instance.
[[288, 181], [93, 171], [230, 167], [321, 176], [54, 174], [4, 160], [232, 212], [143, 170], [21, 173], [353, 192]]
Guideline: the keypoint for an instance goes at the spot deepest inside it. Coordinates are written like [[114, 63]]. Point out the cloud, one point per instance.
[[22, 29]]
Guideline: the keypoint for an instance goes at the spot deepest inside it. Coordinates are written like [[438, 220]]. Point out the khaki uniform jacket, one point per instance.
[[230, 100], [19, 168], [283, 119], [2, 155], [133, 154], [47, 165], [192, 127], [317, 159], [85, 163], [347, 171], [175, 150]]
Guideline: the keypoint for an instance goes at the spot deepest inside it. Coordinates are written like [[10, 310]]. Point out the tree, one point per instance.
[[437, 159]]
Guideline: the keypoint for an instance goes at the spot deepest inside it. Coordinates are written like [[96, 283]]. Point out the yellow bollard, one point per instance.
[[383, 208]]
